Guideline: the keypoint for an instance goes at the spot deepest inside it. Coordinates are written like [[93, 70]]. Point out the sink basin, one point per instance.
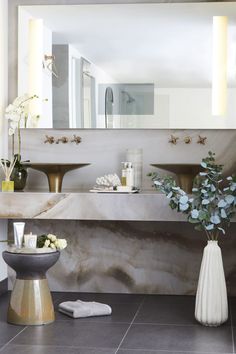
[[55, 172], [185, 173]]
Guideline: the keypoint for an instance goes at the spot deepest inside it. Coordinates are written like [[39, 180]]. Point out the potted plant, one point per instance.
[[18, 114], [210, 209]]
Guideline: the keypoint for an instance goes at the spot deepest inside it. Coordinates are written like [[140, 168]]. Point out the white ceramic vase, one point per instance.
[[211, 307]]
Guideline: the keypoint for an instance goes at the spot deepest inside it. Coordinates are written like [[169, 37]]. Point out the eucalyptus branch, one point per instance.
[[210, 207]]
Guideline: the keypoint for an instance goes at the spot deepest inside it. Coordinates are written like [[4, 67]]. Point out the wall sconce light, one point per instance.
[[49, 63], [35, 83], [219, 65]]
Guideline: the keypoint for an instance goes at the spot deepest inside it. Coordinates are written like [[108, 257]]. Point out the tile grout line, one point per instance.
[[170, 352], [4, 346], [136, 314], [232, 328]]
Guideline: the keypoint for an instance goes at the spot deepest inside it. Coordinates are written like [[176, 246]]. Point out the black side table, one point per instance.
[[31, 301]]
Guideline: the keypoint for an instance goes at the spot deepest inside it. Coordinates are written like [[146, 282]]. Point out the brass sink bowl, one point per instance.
[[55, 172], [185, 173]]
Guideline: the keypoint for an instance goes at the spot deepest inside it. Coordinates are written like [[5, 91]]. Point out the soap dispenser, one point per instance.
[[123, 174], [129, 175]]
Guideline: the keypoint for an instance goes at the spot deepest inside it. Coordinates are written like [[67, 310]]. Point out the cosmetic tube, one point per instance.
[[18, 233]]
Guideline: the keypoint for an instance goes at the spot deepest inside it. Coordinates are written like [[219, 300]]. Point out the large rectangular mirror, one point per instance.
[[127, 65]]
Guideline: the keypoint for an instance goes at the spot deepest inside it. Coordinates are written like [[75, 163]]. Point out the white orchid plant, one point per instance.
[[18, 115], [51, 241], [212, 203]]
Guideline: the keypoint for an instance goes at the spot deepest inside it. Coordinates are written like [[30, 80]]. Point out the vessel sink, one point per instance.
[[185, 173], [55, 172]]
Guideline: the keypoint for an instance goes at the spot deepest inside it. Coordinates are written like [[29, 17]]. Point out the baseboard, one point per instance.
[[3, 286]]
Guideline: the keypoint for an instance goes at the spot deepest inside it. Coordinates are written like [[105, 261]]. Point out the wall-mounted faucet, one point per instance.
[[188, 140], [76, 139], [49, 139], [202, 140], [173, 139], [63, 139]]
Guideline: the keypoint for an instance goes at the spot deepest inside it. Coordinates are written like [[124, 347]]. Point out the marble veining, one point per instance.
[[87, 206], [131, 257]]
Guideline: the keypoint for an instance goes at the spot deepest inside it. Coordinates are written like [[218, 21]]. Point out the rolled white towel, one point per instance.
[[79, 309]]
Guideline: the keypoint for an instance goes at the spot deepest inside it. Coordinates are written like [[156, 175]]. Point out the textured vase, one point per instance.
[[211, 307]]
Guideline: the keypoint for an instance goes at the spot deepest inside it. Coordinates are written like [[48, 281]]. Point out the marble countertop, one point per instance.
[[144, 206]]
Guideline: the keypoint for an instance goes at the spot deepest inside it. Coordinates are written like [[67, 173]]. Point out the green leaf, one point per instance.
[[203, 215], [205, 201], [183, 199], [193, 221], [209, 227], [215, 219], [194, 214], [199, 227], [183, 207], [41, 240], [229, 199], [223, 214], [222, 204]]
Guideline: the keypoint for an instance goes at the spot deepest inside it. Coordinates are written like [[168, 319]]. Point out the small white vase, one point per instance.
[[211, 307]]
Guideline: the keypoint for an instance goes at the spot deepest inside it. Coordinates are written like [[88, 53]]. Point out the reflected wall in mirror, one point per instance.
[[125, 65]]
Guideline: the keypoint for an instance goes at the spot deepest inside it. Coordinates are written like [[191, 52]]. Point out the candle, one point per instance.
[[30, 240]]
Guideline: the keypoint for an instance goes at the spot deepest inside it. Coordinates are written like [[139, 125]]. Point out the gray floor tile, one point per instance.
[[176, 338], [232, 302], [141, 351], [74, 333], [108, 298], [167, 310], [38, 349], [4, 301], [120, 313], [7, 332]]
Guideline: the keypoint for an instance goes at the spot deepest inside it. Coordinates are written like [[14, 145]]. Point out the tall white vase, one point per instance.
[[211, 307]]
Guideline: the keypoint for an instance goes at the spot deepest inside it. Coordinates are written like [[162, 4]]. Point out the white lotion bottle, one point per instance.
[[19, 228]]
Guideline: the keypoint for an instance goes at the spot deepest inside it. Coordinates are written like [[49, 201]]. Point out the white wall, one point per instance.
[[3, 125]]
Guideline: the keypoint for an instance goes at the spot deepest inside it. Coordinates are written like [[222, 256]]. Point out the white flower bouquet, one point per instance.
[[51, 241]]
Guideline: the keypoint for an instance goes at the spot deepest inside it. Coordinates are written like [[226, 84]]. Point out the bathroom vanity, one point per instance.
[[120, 243]]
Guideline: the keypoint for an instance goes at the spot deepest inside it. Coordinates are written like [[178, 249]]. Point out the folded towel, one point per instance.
[[78, 308]]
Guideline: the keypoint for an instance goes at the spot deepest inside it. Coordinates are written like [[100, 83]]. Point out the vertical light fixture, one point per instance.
[[35, 78], [219, 65], [3, 77]]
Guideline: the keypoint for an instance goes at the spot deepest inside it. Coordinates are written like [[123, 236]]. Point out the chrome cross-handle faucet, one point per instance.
[[49, 139], [76, 139], [63, 139]]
